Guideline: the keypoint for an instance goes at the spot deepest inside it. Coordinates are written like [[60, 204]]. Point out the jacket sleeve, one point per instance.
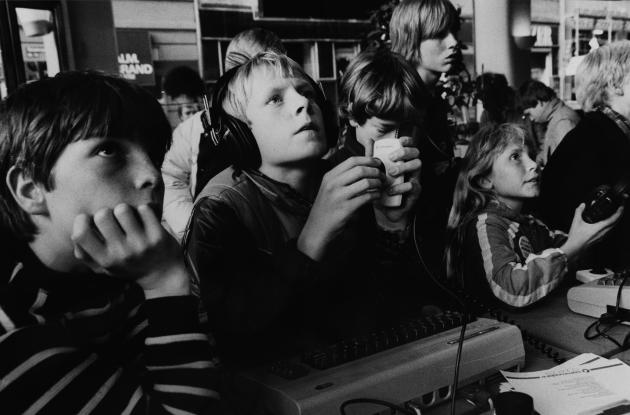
[[243, 287], [515, 282], [177, 171], [120, 355]]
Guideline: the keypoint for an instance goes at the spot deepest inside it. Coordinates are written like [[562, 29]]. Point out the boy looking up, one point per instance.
[[95, 310], [284, 245]]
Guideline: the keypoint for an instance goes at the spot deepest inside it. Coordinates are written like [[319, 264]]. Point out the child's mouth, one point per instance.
[[307, 127]]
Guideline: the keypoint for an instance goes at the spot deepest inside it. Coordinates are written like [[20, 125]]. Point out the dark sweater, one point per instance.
[[596, 152], [265, 298], [92, 344]]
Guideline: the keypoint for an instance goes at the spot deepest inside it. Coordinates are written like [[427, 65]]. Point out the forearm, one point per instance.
[[97, 354], [178, 356], [521, 284]]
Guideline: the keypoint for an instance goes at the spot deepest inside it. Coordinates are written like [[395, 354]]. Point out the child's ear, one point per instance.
[[28, 194], [486, 183], [353, 123]]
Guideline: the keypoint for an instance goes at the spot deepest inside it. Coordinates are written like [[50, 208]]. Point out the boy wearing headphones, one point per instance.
[[283, 246], [96, 314]]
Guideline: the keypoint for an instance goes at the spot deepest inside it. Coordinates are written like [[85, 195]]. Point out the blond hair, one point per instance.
[[240, 86], [602, 69], [249, 43]]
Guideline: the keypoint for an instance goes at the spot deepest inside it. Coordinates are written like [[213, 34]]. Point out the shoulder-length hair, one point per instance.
[[470, 196], [416, 20]]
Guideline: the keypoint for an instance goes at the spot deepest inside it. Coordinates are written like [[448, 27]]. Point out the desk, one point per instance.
[[556, 325]]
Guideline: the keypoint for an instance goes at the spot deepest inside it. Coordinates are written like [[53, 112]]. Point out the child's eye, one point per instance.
[[515, 156], [274, 99], [108, 150], [385, 129]]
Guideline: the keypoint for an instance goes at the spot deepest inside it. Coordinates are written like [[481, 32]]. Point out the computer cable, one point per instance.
[[460, 342], [610, 320]]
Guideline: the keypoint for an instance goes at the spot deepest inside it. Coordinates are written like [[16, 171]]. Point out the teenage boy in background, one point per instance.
[[95, 310]]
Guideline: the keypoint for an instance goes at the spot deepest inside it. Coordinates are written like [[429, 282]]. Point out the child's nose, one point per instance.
[[530, 164], [450, 40], [299, 101], [145, 174]]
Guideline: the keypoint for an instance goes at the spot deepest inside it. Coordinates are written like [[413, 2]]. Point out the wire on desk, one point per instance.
[[462, 332], [610, 320]]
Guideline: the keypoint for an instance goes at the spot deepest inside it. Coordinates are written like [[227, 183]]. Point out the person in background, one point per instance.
[[596, 152], [95, 304], [498, 99], [423, 32], [182, 89], [185, 170], [498, 253], [249, 43], [542, 106]]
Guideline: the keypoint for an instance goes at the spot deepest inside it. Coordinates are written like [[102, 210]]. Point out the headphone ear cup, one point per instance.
[[244, 149]]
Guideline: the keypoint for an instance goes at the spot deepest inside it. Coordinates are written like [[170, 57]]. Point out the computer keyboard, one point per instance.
[[380, 340], [394, 367]]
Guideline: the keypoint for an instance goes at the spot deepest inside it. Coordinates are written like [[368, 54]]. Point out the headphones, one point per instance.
[[242, 147]]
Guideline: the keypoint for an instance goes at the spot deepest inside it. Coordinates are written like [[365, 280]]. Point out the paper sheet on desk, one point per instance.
[[585, 385]]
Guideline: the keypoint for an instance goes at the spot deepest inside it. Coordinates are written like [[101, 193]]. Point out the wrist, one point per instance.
[[570, 250], [310, 246], [172, 282]]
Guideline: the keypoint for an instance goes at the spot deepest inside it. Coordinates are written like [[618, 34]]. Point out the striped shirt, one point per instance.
[[514, 256], [91, 344]]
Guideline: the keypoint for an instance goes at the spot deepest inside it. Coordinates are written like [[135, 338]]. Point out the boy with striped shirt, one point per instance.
[[96, 314]]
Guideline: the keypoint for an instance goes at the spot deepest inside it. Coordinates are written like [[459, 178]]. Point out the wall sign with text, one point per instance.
[[134, 56]]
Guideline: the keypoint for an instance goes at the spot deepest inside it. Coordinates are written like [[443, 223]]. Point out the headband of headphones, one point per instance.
[[243, 148]]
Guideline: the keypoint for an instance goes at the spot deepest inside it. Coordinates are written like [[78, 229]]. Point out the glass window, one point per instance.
[[325, 55], [38, 43], [210, 53]]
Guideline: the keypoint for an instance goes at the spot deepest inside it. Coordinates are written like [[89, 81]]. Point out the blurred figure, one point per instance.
[[182, 89], [185, 170], [498, 99], [542, 106], [596, 151]]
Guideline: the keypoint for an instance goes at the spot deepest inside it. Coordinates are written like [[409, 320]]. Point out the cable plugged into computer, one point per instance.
[[614, 315]]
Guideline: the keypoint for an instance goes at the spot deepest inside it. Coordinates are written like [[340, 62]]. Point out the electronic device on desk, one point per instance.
[[592, 274], [597, 297], [413, 361]]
